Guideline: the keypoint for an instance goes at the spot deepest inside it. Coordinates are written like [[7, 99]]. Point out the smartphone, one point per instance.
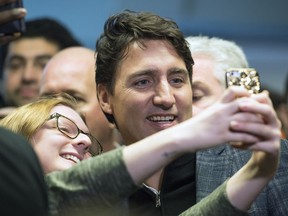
[[246, 77], [14, 26]]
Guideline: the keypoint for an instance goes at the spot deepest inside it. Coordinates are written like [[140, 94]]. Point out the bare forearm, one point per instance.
[[147, 156]]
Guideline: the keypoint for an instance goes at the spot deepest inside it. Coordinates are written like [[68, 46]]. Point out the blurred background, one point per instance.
[[260, 27]]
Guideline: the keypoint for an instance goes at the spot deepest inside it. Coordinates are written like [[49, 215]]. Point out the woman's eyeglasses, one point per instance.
[[67, 127]]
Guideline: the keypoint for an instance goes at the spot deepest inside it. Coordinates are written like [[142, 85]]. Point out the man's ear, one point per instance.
[[103, 96], [104, 99]]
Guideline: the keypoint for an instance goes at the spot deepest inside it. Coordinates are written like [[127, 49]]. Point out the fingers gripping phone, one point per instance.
[[14, 26], [246, 77]]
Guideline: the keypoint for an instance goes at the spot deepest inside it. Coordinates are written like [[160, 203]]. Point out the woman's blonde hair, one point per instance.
[[27, 119]]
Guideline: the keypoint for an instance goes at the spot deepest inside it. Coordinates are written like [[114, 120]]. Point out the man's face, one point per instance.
[[152, 91], [23, 67], [206, 87], [76, 78]]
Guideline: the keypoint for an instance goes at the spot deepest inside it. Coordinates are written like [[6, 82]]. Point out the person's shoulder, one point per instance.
[[17, 145], [8, 137], [21, 177], [5, 133]]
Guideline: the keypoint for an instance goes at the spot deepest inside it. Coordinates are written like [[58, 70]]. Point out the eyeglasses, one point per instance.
[[67, 127]]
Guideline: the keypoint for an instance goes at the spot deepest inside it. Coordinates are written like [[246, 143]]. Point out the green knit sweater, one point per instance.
[[101, 186]]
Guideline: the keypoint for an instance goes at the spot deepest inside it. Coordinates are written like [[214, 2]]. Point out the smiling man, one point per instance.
[[24, 59], [140, 81]]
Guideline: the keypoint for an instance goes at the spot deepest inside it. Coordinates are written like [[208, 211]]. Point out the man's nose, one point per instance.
[[164, 95], [30, 73]]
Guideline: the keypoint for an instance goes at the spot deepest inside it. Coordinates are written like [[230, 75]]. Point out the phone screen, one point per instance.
[[246, 77]]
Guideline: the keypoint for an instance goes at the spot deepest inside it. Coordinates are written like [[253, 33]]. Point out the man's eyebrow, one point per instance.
[[199, 85], [155, 71], [146, 72], [14, 57], [22, 58], [196, 82], [44, 57], [178, 71]]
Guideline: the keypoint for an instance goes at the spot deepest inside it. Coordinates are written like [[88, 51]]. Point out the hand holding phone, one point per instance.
[[12, 21], [246, 77]]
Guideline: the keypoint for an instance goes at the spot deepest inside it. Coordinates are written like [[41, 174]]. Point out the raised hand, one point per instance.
[[8, 16]]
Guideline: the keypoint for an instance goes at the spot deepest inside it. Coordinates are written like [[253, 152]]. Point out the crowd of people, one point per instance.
[[122, 129]]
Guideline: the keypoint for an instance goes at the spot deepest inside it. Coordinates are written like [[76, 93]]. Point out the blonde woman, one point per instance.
[[56, 131]]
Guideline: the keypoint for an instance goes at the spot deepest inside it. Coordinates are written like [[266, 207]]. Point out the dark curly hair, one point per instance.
[[122, 29]]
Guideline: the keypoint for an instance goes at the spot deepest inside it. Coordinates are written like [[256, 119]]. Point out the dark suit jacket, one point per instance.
[[215, 165]]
